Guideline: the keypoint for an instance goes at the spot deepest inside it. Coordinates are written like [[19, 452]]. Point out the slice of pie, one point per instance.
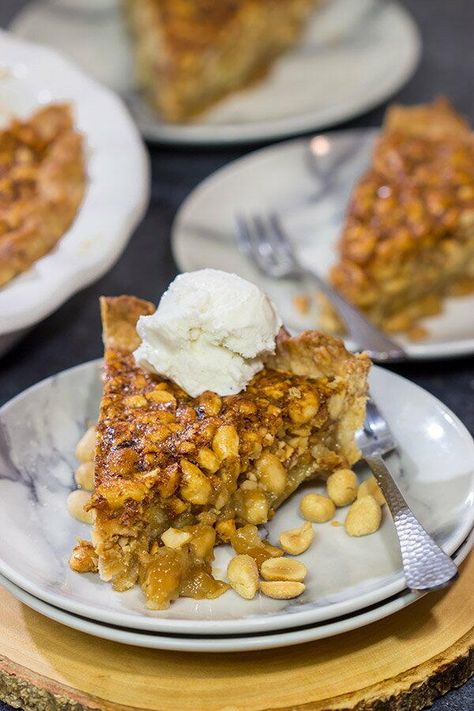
[[191, 53], [408, 240], [42, 183], [197, 471]]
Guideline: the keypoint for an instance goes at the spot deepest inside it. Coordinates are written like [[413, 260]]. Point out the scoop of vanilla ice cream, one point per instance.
[[209, 332]]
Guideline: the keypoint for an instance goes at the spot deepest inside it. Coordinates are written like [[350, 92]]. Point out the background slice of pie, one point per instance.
[[42, 184], [408, 240], [191, 53]]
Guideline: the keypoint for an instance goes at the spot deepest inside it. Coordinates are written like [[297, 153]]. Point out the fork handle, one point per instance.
[[425, 565], [365, 335]]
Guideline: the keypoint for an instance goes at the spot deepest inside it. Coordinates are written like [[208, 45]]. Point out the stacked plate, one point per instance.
[[351, 581]]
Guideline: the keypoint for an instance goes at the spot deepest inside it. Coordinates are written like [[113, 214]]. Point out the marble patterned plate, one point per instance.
[[233, 643], [117, 181], [352, 57], [310, 190], [38, 433]]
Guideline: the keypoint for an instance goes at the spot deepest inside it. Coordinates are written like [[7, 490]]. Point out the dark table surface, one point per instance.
[[72, 334]]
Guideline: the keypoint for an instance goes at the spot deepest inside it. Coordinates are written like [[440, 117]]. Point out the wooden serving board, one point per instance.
[[402, 662]]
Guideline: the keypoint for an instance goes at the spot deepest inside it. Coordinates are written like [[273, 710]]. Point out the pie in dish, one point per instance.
[[408, 240], [191, 53], [42, 183], [208, 469]]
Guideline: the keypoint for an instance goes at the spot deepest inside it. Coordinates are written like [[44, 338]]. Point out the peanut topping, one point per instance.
[[303, 408], [255, 507], [84, 558], [84, 475], [370, 486], [208, 460], [85, 448], [226, 442], [281, 589], [242, 574], [174, 538], [364, 517], [317, 508], [162, 396], [271, 473], [283, 569], [195, 486], [297, 540], [77, 502], [342, 487]]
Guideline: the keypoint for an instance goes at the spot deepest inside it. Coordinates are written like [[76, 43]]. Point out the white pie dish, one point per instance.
[[116, 193], [310, 193], [232, 643], [38, 433]]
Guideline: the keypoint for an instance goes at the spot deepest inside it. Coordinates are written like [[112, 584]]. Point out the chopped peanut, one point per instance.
[[85, 449], [84, 558], [247, 540], [271, 473], [76, 503], [342, 487], [283, 569], [203, 541], [195, 488], [317, 508], [364, 517], [242, 574], [84, 475], [226, 529], [297, 540], [256, 507], [210, 402], [174, 538], [226, 442], [370, 486], [281, 589], [162, 397], [208, 460], [304, 408]]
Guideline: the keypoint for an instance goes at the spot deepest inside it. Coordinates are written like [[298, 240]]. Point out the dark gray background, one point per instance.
[[72, 334]]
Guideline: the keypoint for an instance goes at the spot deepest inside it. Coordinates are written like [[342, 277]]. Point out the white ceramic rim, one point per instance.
[[255, 623], [184, 215], [58, 282], [238, 643]]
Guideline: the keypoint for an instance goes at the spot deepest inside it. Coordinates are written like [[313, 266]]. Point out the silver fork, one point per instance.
[[264, 240], [426, 566]]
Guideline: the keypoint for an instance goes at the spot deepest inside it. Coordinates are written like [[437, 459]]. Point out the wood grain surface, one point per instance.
[[400, 663]]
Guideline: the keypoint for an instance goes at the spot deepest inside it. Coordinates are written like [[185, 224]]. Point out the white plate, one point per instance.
[[284, 178], [38, 433], [117, 189], [237, 643], [348, 62]]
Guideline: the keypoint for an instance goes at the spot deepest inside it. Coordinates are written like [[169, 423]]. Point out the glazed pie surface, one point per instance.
[[408, 240], [42, 183], [214, 467], [191, 53]]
